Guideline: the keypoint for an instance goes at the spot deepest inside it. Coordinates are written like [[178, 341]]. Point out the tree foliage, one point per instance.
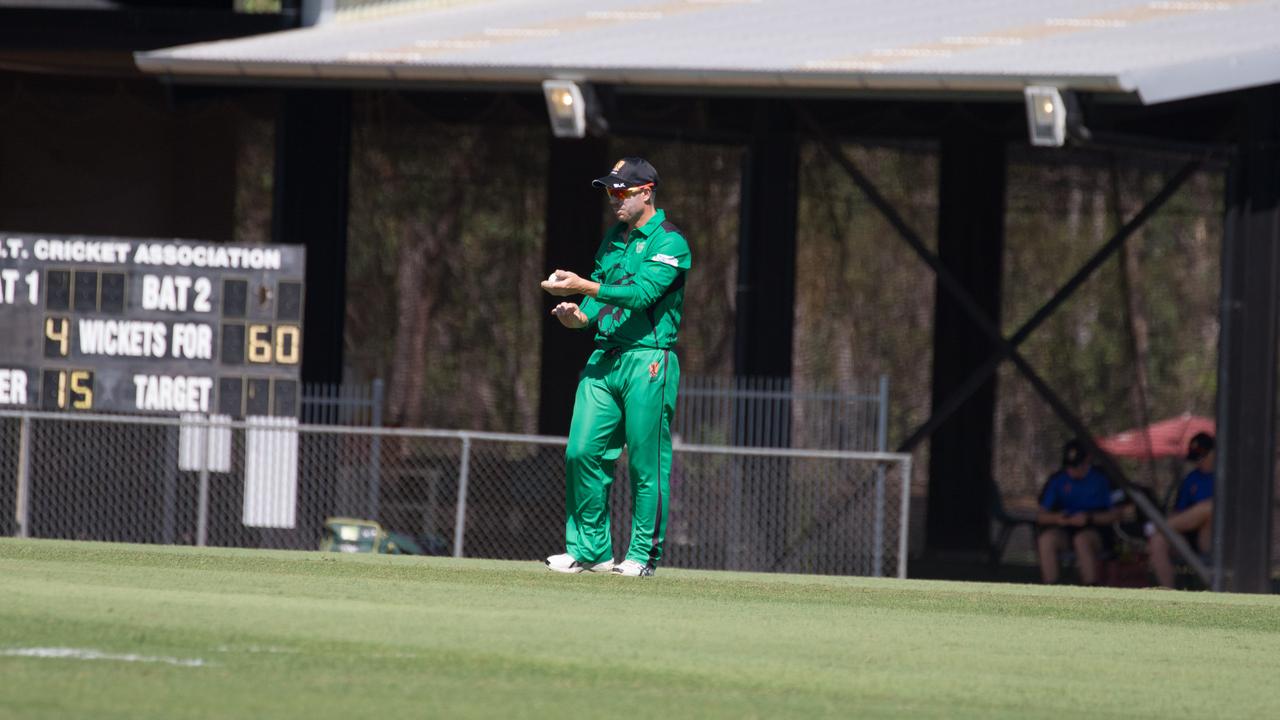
[[445, 237]]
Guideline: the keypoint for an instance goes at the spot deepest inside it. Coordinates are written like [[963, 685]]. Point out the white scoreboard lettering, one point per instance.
[[13, 387], [176, 292]]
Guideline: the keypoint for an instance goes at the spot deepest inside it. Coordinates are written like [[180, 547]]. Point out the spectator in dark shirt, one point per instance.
[[1192, 511], [1076, 513]]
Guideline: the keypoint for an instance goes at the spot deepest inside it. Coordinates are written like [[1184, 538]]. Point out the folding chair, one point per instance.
[[1008, 523]]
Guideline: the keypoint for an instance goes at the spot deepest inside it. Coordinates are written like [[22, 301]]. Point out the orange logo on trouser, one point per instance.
[[654, 367]]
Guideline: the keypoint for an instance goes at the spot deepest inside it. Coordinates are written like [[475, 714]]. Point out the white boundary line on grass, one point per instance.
[[88, 654]]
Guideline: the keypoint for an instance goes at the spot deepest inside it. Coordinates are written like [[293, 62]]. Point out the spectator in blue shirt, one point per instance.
[[1192, 510], [1075, 512]]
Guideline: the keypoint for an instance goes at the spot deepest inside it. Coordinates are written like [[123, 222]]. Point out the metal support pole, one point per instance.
[[202, 515], [733, 534], [735, 547], [169, 500], [904, 518], [764, 325], [735, 511], [460, 519], [1243, 503], [1224, 424], [22, 508], [572, 224], [882, 444], [310, 207]]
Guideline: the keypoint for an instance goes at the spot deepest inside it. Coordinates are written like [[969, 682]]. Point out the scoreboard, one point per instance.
[[133, 325]]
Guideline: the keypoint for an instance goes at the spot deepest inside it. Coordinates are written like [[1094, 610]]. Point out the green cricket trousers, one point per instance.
[[623, 396]]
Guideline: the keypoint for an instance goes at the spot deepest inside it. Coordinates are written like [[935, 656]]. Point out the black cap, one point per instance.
[[626, 173], [1199, 446], [1074, 453]]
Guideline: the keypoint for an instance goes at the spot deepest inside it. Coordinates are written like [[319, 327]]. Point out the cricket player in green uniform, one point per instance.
[[627, 392]]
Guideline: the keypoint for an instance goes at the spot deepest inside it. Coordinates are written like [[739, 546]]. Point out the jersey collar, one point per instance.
[[655, 222]]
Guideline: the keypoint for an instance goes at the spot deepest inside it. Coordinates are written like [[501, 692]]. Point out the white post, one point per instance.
[[460, 519], [202, 514], [22, 511]]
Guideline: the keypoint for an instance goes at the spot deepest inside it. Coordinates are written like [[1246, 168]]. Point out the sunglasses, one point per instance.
[[624, 193]]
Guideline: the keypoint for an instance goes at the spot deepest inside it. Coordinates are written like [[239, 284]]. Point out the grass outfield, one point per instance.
[[193, 633]]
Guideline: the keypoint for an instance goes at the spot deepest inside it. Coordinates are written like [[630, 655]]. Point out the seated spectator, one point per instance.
[[1192, 511], [1075, 513]]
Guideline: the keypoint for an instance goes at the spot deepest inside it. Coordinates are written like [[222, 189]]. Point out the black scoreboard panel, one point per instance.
[[131, 325]]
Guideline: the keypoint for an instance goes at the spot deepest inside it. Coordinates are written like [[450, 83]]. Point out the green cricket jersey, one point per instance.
[[641, 276]]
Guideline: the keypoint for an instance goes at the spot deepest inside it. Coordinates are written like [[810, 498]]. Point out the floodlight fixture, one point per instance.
[[566, 107], [573, 109], [1046, 116]]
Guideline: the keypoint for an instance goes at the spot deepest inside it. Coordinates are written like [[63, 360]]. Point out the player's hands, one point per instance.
[[566, 283], [569, 315], [1074, 520]]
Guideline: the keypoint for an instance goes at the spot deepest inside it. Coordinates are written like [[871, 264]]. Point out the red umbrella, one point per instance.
[[1166, 438]]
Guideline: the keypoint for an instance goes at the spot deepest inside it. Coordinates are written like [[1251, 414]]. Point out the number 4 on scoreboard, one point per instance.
[[57, 337]]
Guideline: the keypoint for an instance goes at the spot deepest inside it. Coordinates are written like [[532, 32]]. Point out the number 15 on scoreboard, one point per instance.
[[63, 389]]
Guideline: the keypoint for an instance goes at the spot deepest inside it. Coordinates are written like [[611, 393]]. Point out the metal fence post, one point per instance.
[[375, 449], [904, 517], [22, 510], [734, 549], [202, 515], [169, 501], [882, 445], [460, 519]]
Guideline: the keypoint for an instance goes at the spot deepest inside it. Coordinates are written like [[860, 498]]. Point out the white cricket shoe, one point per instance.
[[566, 563], [631, 568]]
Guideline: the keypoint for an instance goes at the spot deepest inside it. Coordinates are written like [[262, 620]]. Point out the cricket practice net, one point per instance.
[[197, 481]]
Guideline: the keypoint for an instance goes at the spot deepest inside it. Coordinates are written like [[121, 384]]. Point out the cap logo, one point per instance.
[[618, 167]]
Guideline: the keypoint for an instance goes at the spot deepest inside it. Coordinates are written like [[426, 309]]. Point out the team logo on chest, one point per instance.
[[639, 247], [654, 367]]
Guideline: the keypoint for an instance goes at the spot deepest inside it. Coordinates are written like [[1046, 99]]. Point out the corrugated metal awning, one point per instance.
[[1161, 50]]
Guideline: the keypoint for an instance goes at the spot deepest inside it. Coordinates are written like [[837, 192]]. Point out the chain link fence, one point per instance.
[[772, 412], [490, 495]]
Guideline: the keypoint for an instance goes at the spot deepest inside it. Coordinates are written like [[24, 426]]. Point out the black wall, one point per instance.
[[114, 157]]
